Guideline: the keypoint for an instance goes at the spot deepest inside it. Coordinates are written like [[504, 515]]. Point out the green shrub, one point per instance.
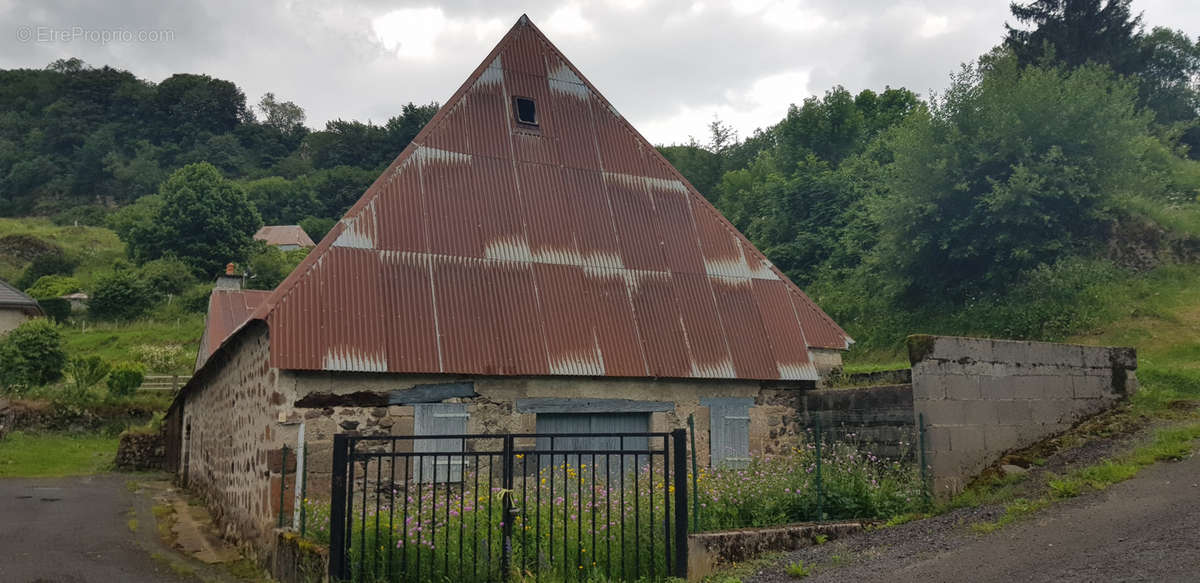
[[120, 295], [54, 262], [125, 378], [195, 299], [167, 276], [53, 286], [56, 309], [85, 372], [30, 355]]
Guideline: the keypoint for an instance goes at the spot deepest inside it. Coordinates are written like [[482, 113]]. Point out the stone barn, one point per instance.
[[16, 307], [529, 262]]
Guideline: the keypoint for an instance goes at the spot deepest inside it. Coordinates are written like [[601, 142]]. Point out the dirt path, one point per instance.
[[1144, 529], [72, 530]]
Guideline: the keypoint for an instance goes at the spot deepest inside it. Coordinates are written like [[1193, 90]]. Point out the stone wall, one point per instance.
[[233, 420], [981, 398], [880, 419], [138, 451], [330, 403]]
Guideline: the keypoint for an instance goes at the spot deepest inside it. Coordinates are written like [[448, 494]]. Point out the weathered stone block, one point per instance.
[[966, 439], [1090, 387], [1001, 438], [928, 387], [1058, 387], [965, 388], [275, 460], [1011, 351], [1013, 412]]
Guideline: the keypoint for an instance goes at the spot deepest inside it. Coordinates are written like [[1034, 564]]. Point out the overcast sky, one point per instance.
[[669, 67]]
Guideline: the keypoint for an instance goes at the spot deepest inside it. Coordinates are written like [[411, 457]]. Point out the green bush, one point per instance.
[[53, 286], [120, 295], [56, 309], [84, 215], [195, 299], [125, 378], [85, 372], [30, 355], [54, 262], [167, 276]]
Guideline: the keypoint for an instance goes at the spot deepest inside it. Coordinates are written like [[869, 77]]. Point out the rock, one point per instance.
[[349, 425], [1011, 470]]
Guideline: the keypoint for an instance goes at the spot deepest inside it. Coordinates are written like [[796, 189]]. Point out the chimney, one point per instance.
[[230, 279]]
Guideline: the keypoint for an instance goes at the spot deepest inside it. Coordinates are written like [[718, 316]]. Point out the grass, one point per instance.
[[52, 455], [96, 248], [798, 570], [115, 342]]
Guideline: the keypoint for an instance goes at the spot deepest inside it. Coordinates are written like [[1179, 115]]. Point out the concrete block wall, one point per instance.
[[981, 398], [880, 419]]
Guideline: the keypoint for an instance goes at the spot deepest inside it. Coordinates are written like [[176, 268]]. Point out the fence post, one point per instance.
[[679, 437], [304, 496], [506, 514], [820, 489], [924, 478], [695, 476], [282, 481], [338, 566]]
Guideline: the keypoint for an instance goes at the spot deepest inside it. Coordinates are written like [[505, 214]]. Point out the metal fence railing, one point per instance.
[[562, 506]]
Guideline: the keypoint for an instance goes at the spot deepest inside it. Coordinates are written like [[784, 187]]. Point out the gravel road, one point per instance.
[[1144, 529]]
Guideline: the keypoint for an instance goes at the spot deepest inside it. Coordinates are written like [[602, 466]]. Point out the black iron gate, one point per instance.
[[555, 506]]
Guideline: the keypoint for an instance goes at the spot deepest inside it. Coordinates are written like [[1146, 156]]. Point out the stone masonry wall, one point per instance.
[[981, 398], [774, 424], [231, 431]]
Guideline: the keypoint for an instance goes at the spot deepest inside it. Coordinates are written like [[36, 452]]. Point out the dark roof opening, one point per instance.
[[526, 111]]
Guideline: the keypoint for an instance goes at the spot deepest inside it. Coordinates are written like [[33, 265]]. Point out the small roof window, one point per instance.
[[526, 110]]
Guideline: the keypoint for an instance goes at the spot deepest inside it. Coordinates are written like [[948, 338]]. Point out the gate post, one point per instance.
[[339, 569], [679, 439], [506, 515]]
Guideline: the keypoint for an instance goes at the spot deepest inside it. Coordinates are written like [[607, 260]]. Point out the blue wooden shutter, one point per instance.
[[729, 431], [440, 419]]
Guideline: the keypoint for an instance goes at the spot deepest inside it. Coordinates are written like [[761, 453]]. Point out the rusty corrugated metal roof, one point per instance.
[[567, 248], [228, 311], [284, 235]]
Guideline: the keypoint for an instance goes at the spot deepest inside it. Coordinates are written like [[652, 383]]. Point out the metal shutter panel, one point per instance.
[[440, 419]]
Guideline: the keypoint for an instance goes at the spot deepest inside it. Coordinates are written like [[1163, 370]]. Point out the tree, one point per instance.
[[992, 181], [269, 265], [31, 355], [1169, 82], [284, 116], [121, 295], [317, 227], [1077, 32], [281, 201], [85, 372], [204, 220]]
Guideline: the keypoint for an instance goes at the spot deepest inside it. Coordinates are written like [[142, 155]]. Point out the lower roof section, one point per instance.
[[502, 317]]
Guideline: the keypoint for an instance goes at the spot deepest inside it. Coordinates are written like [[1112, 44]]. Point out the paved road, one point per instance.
[[1144, 529], [67, 530]]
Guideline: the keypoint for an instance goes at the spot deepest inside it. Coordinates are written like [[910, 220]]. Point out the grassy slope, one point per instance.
[[96, 248], [54, 455]]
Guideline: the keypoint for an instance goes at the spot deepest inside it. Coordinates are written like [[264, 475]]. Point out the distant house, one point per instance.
[[78, 301], [528, 263], [16, 307], [285, 237]]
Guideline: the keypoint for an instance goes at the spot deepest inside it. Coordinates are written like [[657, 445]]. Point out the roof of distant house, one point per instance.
[[284, 235], [11, 297], [228, 309]]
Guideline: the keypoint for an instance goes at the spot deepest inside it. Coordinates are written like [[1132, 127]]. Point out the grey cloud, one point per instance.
[[650, 62]]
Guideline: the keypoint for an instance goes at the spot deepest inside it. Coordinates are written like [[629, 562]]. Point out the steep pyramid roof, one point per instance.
[[569, 247]]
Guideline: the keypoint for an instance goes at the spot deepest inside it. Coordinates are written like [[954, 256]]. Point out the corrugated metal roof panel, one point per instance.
[[228, 310], [571, 248]]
